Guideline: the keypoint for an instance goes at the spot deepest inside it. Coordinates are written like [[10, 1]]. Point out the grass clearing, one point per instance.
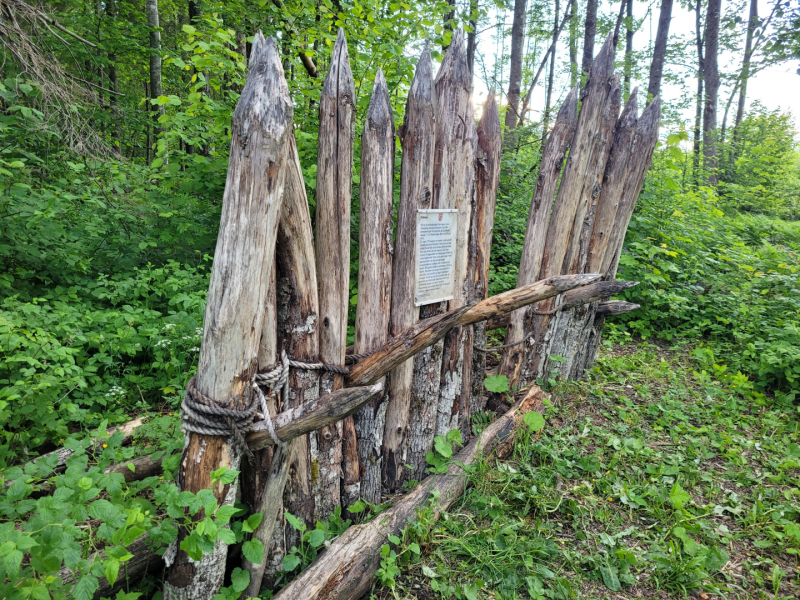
[[649, 480]]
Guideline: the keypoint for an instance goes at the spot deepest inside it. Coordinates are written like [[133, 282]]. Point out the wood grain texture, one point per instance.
[[555, 150], [578, 183], [416, 182], [261, 129], [346, 569], [374, 283], [429, 331], [287, 478], [454, 175], [615, 307], [487, 177], [334, 182]]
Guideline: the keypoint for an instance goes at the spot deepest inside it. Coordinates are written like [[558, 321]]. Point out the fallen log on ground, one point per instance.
[[346, 569]]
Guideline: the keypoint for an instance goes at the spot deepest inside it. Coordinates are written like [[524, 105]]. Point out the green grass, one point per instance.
[[651, 480]]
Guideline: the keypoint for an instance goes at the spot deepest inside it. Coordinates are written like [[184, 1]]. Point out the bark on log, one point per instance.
[[428, 332], [644, 143], [578, 182], [454, 174], [538, 220], [416, 182], [346, 569], [615, 307], [334, 181], [261, 127], [374, 284], [297, 310], [487, 176]]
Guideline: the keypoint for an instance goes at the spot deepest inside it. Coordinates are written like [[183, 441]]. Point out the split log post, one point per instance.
[[615, 307], [641, 155], [453, 180], [297, 310], [261, 128], [568, 328], [407, 420], [374, 279], [538, 220], [346, 569], [570, 193], [487, 177], [334, 181]]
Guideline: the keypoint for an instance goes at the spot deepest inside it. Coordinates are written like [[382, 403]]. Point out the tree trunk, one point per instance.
[[752, 23], [515, 72], [573, 43], [538, 219], [579, 180], [374, 275], [416, 182], [628, 49], [698, 115], [659, 50], [347, 568], [472, 36], [454, 179], [155, 54], [711, 76], [588, 40], [487, 176], [334, 178], [550, 76], [235, 305]]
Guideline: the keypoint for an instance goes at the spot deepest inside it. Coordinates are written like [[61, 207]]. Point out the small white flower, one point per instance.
[[195, 349]]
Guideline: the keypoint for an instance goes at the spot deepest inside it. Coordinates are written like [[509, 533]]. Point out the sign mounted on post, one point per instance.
[[434, 275]]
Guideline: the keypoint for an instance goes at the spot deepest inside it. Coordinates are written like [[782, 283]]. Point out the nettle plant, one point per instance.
[[63, 531]]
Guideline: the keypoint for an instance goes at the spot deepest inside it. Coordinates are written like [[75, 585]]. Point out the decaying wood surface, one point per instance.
[[374, 283], [296, 329], [334, 182], [416, 183], [429, 331], [346, 569], [538, 220], [314, 414], [615, 307], [641, 155], [261, 129], [580, 171], [453, 181], [487, 176], [568, 330]]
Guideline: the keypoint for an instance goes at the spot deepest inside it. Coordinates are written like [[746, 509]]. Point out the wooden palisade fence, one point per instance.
[[273, 397]]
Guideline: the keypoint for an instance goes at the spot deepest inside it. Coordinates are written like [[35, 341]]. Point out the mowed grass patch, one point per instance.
[[649, 480]]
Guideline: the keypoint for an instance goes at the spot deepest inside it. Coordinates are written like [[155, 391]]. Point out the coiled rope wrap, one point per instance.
[[203, 414]]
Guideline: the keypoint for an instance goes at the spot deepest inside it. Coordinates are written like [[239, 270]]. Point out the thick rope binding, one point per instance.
[[202, 414]]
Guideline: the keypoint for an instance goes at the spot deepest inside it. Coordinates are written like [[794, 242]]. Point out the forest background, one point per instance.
[[114, 137]]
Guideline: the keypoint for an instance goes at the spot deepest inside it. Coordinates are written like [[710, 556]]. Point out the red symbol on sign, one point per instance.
[[440, 216]]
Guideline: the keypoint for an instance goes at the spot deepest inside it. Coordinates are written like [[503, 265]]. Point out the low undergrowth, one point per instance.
[[650, 480]]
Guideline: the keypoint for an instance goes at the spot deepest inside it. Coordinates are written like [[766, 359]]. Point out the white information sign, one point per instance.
[[436, 255]]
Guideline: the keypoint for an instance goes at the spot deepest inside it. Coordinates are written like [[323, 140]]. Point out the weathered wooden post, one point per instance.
[[374, 275], [261, 128], [606, 259], [538, 221], [487, 177], [296, 318], [403, 432], [453, 180], [334, 183], [577, 174]]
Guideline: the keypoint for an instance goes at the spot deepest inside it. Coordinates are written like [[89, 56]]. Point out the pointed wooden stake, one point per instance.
[[262, 125]]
